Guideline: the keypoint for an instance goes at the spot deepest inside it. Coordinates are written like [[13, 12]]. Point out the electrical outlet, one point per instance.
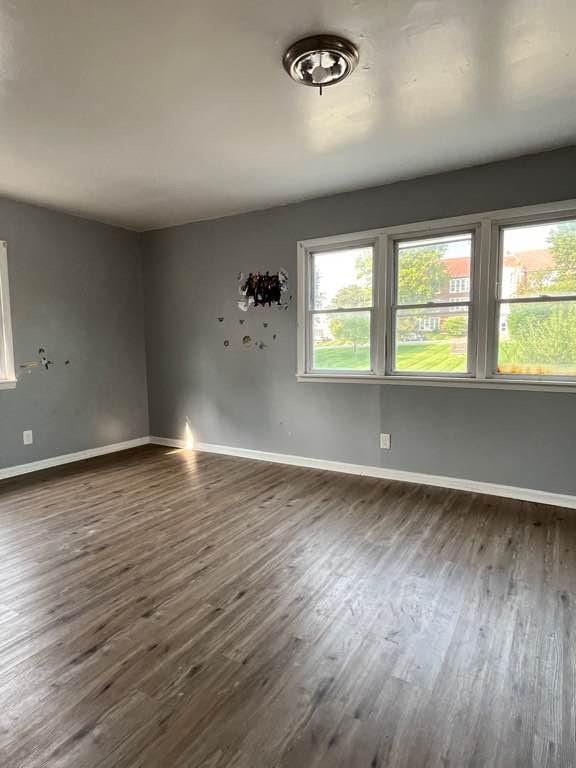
[[385, 441], [27, 437]]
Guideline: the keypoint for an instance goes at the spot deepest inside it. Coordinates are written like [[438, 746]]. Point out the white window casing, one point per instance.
[[483, 302], [7, 372]]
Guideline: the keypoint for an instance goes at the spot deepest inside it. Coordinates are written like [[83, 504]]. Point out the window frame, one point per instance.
[[543, 298], [392, 308], [311, 311], [483, 304], [7, 371]]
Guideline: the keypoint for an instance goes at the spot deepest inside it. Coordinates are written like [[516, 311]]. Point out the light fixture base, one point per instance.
[[321, 60]]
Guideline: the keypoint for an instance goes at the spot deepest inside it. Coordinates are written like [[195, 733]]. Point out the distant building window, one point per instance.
[[460, 285], [428, 323]]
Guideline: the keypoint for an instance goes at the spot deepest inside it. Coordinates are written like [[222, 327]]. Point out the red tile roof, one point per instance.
[[530, 261], [458, 267]]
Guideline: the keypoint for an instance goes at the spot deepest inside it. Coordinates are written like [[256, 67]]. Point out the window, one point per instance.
[[341, 309], [537, 300], [459, 285], [477, 300], [430, 329], [7, 375]]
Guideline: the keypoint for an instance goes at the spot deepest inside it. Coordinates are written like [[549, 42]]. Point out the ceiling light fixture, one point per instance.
[[320, 60]]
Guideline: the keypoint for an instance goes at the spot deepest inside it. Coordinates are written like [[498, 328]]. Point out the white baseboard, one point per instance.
[[455, 483], [68, 458], [385, 473], [169, 442]]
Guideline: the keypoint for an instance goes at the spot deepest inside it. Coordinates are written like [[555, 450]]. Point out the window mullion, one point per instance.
[[480, 300], [379, 319], [390, 298], [494, 292]]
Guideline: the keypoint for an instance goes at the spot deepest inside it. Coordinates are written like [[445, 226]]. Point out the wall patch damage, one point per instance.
[[259, 290], [43, 361], [262, 289]]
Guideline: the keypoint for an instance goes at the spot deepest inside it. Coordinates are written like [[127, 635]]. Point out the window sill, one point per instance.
[[525, 385], [8, 384]]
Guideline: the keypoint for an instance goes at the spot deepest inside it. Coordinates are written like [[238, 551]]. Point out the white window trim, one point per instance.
[[7, 371], [483, 300], [388, 370]]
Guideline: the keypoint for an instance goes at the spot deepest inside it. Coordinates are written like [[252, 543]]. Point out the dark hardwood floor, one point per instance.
[[164, 609]]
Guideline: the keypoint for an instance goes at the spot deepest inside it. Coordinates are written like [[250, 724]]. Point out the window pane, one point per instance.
[[342, 279], [434, 269], [539, 260], [341, 341], [537, 339], [432, 340]]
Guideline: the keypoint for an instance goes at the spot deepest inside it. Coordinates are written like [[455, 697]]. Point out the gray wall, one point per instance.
[[250, 398], [76, 288]]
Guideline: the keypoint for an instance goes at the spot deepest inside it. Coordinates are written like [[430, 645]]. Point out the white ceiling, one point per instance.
[[147, 113]]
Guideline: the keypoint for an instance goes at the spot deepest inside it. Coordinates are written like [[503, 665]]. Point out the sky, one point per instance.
[[532, 238]]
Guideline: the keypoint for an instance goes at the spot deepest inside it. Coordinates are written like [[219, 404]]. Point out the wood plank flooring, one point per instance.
[[164, 609]]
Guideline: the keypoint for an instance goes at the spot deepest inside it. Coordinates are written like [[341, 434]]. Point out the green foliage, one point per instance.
[[352, 327], [352, 296], [542, 334], [562, 243], [406, 325], [359, 294], [364, 269], [421, 274], [455, 326]]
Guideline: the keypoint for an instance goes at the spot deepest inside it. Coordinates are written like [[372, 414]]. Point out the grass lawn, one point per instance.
[[435, 356]]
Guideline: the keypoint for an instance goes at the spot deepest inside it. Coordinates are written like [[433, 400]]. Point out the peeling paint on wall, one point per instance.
[[43, 361], [259, 290]]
